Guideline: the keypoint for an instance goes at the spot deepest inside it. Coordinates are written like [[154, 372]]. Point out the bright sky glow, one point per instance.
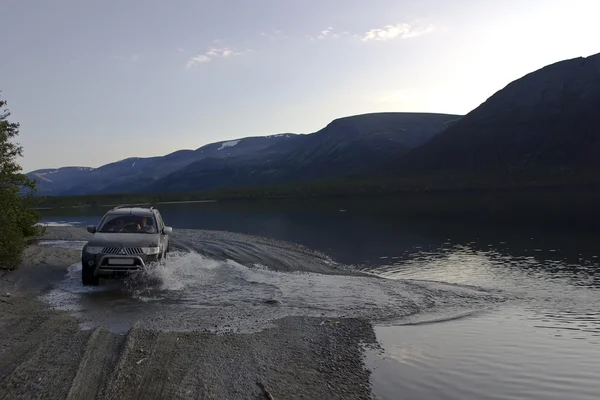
[[93, 82]]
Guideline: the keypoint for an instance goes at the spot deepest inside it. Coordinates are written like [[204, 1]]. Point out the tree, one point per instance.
[[18, 216]]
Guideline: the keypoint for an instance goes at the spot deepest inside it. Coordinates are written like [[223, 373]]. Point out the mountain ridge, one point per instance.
[[547, 118], [345, 146], [335, 150]]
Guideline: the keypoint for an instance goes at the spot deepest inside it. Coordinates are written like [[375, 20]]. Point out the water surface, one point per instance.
[[463, 310]]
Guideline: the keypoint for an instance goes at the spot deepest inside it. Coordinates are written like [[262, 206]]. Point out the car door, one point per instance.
[[163, 238]]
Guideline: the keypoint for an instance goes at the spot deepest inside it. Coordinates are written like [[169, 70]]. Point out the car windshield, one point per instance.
[[128, 224]]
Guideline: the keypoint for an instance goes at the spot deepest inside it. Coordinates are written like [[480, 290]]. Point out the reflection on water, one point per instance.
[[558, 295], [542, 343], [496, 355]]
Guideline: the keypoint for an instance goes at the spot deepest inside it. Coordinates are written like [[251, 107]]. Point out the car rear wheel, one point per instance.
[[87, 276]]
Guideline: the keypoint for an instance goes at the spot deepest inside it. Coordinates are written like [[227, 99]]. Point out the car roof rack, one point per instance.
[[129, 206]]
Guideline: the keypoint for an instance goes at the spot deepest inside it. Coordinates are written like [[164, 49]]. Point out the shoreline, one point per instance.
[[46, 353], [324, 191]]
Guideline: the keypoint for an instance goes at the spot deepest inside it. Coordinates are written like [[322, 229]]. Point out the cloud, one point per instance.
[[199, 59], [402, 31], [210, 55], [324, 33], [277, 34], [226, 52], [388, 32]]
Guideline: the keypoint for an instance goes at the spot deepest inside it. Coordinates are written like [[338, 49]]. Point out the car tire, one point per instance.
[[87, 276]]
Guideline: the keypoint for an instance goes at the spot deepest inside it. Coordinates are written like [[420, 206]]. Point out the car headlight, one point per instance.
[[151, 250], [93, 249]]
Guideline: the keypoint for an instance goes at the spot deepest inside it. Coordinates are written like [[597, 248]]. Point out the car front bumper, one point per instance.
[[115, 265]]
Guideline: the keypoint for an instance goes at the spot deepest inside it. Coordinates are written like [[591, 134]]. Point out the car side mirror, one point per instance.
[[167, 230], [91, 229]]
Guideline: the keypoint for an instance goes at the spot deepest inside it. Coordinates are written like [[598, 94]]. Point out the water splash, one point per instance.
[[190, 291]]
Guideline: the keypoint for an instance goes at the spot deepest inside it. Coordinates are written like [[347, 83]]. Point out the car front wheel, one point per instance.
[[87, 276]]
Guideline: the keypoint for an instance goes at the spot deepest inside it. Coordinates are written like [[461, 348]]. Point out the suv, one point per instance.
[[126, 239]]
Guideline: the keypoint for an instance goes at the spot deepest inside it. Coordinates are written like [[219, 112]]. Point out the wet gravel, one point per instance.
[[45, 353]]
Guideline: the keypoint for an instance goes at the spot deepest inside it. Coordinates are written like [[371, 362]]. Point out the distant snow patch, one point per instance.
[[285, 135], [228, 144]]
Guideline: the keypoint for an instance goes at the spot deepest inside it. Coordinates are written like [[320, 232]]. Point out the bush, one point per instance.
[[18, 216]]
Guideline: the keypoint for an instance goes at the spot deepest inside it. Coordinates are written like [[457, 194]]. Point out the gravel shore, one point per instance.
[[44, 353]]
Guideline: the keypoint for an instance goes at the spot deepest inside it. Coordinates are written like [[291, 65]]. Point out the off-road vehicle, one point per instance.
[[125, 241]]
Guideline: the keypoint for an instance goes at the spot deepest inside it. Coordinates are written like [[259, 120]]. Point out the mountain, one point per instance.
[[51, 181], [547, 122], [132, 174], [347, 146]]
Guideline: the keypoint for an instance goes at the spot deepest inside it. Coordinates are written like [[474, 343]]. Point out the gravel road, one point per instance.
[[45, 353]]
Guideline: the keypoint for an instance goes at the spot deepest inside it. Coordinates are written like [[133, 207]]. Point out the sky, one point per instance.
[[93, 82]]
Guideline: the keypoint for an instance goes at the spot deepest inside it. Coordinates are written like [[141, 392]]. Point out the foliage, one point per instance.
[[18, 215]]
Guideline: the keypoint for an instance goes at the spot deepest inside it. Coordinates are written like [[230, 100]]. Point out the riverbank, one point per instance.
[[45, 353]]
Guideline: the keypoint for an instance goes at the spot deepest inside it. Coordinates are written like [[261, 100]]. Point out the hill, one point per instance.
[[541, 127], [131, 174], [348, 146]]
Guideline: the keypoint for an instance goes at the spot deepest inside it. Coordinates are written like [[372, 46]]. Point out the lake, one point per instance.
[[533, 334]]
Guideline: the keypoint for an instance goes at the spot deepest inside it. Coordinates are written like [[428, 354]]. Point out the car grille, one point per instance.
[[118, 250]]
